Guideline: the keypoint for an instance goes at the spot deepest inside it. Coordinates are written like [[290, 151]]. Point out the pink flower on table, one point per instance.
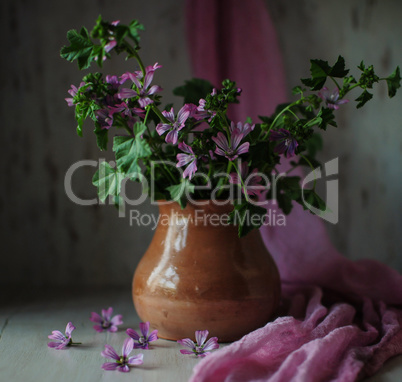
[[106, 322], [331, 98], [187, 159], [174, 125], [200, 348], [230, 150], [244, 129], [143, 340], [251, 181], [63, 340], [122, 363]]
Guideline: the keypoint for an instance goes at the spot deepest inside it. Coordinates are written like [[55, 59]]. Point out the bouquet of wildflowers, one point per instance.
[[196, 152]]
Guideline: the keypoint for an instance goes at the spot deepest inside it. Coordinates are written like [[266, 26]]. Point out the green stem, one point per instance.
[[242, 183], [336, 83], [230, 164], [166, 168], [311, 166], [158, 113], [284, 110]]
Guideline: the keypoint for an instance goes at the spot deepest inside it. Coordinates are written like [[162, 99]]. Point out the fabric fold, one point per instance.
[[339, 319]]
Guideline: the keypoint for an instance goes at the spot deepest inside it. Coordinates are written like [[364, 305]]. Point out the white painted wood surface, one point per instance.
[[26, 322]]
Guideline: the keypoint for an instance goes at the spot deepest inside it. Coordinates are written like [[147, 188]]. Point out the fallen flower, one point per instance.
[[144, 340], [105, 322], [63, 340], [200, 349], [122, 363]]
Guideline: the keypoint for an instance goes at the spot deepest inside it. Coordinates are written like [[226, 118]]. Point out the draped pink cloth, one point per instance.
[[339, 319]]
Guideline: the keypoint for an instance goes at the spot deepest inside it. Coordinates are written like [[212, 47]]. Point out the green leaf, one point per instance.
[[312, 198], [108, 181], [247, 217], [363, 98], [287, 189], [193, 90], [80, 48], [130, 149], [327, 118], [338, 70], [297, 90], [314, 144], [179, 192], [101, 137], [320, 70], [394, 82]]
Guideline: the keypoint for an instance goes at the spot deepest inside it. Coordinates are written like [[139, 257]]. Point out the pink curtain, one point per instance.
[[339, 320]]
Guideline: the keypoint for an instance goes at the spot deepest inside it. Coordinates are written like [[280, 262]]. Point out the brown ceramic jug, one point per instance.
[[197, 274]]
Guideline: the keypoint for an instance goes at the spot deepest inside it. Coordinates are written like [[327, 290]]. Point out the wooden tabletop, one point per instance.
[[26, 319]]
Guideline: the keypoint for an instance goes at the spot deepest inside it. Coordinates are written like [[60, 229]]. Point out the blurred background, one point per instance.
[[46, 240]]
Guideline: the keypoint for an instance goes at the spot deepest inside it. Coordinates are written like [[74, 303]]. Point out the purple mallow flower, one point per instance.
[[244, 129], [143, 340], [122, 363], [286, 143], [106, 322], [73, 92], [230, 150], [143, 89], [331, 98], [174, 125], [63, 340], [200, 348], [105, 118], [187, 159], [251, 181]]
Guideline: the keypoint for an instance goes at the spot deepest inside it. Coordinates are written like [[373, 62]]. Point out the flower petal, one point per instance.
[[99, 328], [144, 327], [172, 137], [201, 336], [133, 334], [221, 141], [117, 320], [123, 369], [69, 329], [107, 313], [187, 342], [128, 346], [53, 344], [110, 366], [109, 352], [95, 317], [190, 170], [161, 128], [127, 93], [211, 344], [153, 336], [136, 360], [57, 335], [243, 148], [184, 351]]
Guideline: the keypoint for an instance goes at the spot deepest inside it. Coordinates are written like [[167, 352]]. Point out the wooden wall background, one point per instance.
[[46, 240]]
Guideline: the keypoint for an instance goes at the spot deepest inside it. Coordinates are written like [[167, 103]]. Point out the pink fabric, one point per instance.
[[338, 320]]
